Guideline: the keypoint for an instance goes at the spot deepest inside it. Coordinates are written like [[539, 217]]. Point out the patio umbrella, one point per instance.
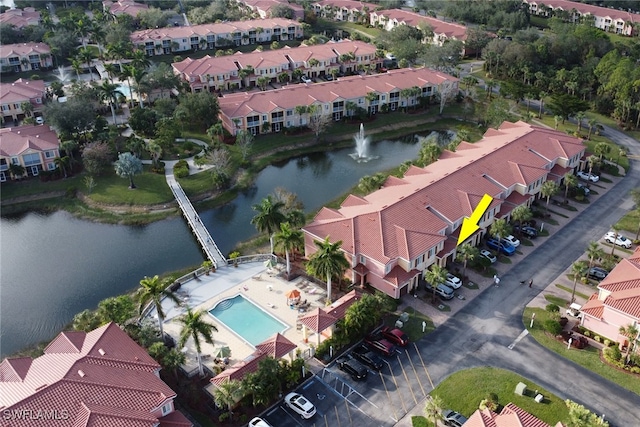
[[222, 352], [293, 296], [270, 263]]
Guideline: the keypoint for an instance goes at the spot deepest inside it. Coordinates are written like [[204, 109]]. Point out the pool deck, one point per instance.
[[253, 281]]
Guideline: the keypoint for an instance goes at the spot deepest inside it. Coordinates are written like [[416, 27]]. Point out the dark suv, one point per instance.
[[396, 336], [352, 367], [368, 357], [380, 345]]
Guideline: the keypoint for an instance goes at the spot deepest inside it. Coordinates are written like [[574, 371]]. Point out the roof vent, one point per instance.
[[81, 373], [102, 352]]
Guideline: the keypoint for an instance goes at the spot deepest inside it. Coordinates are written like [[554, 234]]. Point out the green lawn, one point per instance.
[[29, 187], [588, 358], [413, 328], [570, 290], [420, 421], [560, 302], [152, 189], [463, 391], [630, 222]]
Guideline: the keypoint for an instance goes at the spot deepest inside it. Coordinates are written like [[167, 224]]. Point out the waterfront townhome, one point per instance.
[[391, 236], [14, 97], [224, 35], [617, 302], [611, 20], [344, 10], [275, 110], [442, 31], [264, 8], [15, 58], [34, 147], [20, 18], [122, 7], [97, 378], [245, 69]]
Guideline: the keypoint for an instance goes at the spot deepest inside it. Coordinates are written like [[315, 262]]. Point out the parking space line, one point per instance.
[[414, 371], [395, 416], [290, 416], [348, 412], [393, 377], [424, 366], [337, 415], [407, 379]]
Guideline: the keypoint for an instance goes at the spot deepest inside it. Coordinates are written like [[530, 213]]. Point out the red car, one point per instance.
[[380, 345], [396, 336]]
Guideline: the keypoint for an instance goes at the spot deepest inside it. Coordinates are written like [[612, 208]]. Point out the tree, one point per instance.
[[281, 10], [593, 162], [96, 156], [466, 253], [263, 82], [430, 150], [62, 163], [195, 327], [318, 121], [153, 291], [548, 190], [601, 148], [565, 105], [594, 251], [87, 56], [86, 321], [521, 214], [269, 216], [328, 262], [500, 228], [434, 276], [446, 91], [578, 269], [127, 166], [265, 383], [244, 141], [497, 112], [635, 196], [197, 110], [216, 133], [117, 309], [616, 230], [433, 409], [143, 121], [579, 416], [155, 150], [288, 240], [570, 181], [631, 332], [109, 92], [74, 117], [68, 146], [228, 394]]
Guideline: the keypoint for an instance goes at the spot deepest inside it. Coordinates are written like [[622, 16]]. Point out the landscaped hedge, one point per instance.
[[181, 169]]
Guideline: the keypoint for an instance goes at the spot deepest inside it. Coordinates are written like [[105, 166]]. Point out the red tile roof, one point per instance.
[[348, 4], [20, 17], [15, 141], [510, 416], [318, 320], [447, 29], [588, 9], [125, 6], [99, 378], [276, 346], [594, 307], [21, 91], [339, 307], [239, 370], [23, 49]]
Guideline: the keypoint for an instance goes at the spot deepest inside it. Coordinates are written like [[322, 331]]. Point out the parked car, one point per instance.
[[527, 230], [488, 255], [598, 273], [366, 356], [587, 176], [504, 247], [453, 282], [511, 240], [328, 77], [300, 405], [258, 422], [396, 336], [618, 239], [39, 120], [380, 345], [351, 366], [390, 56], [453, 418], [584, 188], [444, 291], [306, 79]]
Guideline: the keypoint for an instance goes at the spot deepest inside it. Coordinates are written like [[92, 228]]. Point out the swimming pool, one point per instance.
[[250, 322]]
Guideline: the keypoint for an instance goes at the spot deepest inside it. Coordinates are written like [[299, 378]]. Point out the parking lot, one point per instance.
[[380, 400]]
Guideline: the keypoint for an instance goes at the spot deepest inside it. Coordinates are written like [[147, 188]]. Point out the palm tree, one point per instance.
[[433, 409], [541, 97], [328, 261], [616, 230], [128, 71], [111, 71], [570, 181], [580, 116], [68, 146], [601, 149], [466, 253], [288, 240], [521, 214], [434, 276], [76, 64], [152, 291], [548, 189], [557, 120], [429, 152], [228, 394], [62, 163], [86, 55], [592, 123], [194, 326], [578, 269], [269, 216], [630, 331], [155, 150], [16, 171], [109, 92], [594, 251], [500, 228], [139, 60], [172, 360], [593, 162]]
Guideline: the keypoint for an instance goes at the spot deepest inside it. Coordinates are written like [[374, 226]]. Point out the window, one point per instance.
[[363, 260], [6, 108], [166, 409], [38, 101], [3, 177], [49, 154], [51, 166], [289, 113], [31, 159], [15, 161]]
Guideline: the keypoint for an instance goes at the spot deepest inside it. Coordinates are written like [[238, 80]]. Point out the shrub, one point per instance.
[[181, 169], [552, 326], [613, 352], [586, 333], [552, 308], [598, 338], [607, 343]]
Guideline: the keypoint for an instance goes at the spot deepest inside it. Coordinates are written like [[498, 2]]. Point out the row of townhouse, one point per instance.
[[169, 40], [616, 304], [124, 7], [442, 31], [14, 95], [33, 147], [264, 8], [275, 110], [21, 57], [20, 18], [391, 236], [344, 10], [225, 72], [610, 20]]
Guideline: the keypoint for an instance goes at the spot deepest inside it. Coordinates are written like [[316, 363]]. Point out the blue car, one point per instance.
[[504, 247]]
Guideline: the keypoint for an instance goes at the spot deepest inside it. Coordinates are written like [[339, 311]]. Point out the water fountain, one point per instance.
[[362, 146], [62, 74]]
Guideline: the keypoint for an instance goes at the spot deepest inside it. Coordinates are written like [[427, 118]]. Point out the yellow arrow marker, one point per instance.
[[470, 225]]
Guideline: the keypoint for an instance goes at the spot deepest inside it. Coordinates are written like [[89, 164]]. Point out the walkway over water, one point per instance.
[[193, 219]]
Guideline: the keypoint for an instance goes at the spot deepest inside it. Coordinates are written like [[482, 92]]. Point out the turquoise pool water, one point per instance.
[[246, 319]]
